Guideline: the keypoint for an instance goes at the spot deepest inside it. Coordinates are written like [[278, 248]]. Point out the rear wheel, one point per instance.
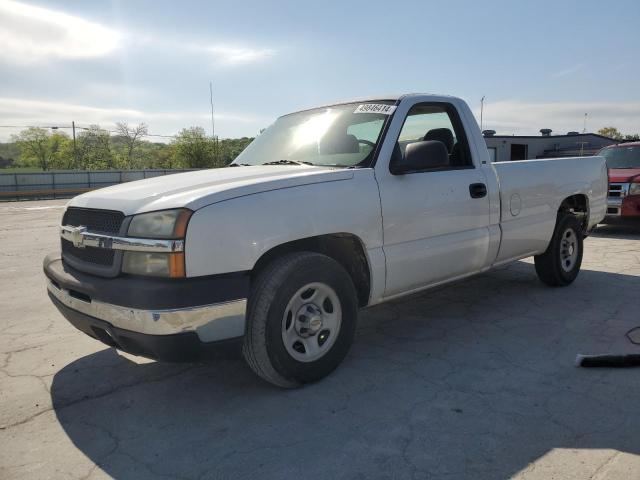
[[560, 264], [301, 319]]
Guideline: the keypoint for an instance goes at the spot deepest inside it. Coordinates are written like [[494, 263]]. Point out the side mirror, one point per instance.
[[423, 155]]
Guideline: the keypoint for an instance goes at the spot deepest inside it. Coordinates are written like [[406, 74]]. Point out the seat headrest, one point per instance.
[[424, 155], [443, 135], [333, 144]]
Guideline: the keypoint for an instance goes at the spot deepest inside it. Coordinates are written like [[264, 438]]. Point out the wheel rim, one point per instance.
[[568, 250], [311, 322]]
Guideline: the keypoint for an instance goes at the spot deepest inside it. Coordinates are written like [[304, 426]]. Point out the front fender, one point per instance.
[[231, 235]]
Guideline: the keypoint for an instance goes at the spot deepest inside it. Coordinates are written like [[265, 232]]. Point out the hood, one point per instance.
[[624, 175], [199, 188]]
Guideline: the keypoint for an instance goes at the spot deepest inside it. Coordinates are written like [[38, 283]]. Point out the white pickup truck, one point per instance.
[[328, 211]]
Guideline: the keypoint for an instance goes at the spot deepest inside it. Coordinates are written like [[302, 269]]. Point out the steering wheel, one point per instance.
[[367, 142]]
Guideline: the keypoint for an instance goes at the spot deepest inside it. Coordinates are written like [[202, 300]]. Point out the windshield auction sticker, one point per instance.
[[375, 108]]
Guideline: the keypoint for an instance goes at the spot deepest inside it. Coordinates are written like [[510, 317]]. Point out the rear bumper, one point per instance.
[[156, 318]]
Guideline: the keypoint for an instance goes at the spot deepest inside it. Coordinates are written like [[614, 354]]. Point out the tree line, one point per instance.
[[613, 132], [128, 148], [95, 148]]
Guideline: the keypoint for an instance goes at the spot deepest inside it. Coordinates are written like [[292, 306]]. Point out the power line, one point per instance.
[[69, 127]]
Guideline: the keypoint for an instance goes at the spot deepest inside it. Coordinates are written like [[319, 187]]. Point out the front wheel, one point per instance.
[[301, 319], [560, 264]]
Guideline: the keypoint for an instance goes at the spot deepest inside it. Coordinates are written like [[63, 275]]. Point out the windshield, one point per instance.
[[622, 157], [338, 136]]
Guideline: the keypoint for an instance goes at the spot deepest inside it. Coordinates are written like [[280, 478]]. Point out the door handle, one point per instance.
[[478, 190]]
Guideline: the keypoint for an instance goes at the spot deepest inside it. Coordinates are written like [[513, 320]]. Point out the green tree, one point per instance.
[[94, 150], [164, 156], [132, 139], [230, 148], [9, 154], [38, 147], [61, 151], [194, 149], [611, 132]]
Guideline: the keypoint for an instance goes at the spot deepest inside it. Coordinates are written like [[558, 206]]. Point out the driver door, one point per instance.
[[436, 222]]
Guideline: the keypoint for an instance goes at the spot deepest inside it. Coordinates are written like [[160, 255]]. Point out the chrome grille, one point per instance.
[[99, 261], [99, 221], [617, 191]]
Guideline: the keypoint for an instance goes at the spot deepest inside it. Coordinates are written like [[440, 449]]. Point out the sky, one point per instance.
[[541, 64]]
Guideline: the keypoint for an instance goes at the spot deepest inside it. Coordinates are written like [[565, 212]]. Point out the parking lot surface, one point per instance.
[[471, 381]]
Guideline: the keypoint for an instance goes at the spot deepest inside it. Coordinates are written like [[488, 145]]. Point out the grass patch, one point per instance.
[[20, 170]]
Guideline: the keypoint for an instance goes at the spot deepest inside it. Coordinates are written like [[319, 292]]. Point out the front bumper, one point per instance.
[[151, 317], [179, 347], [620, 203], [624, 207]]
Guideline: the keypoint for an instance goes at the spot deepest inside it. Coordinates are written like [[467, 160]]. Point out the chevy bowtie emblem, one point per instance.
[[77, 236]]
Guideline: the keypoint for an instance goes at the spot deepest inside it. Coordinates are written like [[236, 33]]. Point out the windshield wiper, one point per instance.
[[287, 162], [238, 165]]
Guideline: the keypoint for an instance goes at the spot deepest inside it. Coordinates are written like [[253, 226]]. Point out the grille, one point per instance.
[[97, 256], [617, 190], [99, 221], [96, 221]]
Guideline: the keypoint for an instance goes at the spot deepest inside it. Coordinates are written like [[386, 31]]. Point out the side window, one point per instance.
[[435, 121]]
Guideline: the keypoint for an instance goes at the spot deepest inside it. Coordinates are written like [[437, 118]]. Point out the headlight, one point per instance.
[[634, 189], [162, 224], [154, 264]]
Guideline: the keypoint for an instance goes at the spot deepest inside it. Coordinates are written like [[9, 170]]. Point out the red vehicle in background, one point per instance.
[[623, 163]]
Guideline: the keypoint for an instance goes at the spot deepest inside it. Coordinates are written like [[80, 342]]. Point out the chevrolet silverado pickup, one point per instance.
[[623, 163], [328, 211]]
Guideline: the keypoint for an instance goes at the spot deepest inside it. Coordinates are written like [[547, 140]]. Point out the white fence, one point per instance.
[[65, 184]]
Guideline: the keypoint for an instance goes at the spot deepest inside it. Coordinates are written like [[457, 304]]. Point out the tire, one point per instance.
[[560, 264], [272, 343]]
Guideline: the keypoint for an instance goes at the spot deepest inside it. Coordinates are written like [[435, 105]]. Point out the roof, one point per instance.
[[554, 136], [624, 144], [394, 97]]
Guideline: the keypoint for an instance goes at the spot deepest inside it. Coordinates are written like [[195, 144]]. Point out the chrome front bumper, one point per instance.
[[617, 192], [614, 206], [211, 323], [81, 238]]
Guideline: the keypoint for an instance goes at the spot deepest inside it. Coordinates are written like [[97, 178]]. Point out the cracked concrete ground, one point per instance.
[[471, 381]]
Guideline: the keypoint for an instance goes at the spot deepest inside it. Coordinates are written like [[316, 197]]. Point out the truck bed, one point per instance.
[[531, 192]]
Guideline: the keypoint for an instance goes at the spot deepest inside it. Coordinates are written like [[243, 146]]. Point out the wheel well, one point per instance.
[[344, 248], [577, 205]]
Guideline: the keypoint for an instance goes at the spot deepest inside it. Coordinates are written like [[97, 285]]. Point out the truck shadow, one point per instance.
[[471, 381], [627, 230]]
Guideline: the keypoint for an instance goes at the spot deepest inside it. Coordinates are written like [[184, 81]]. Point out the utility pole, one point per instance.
[[582, 144], [481, 111], [584, 128], [75, 155], [213, 124]]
